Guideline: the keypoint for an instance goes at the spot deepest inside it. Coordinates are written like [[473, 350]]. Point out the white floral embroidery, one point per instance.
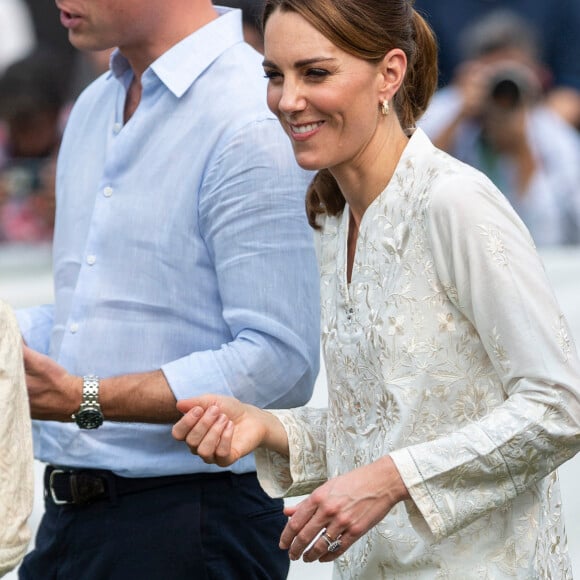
[[446, 322], [473, 404], [433, 370], [498, 350], [563, 337], [396, 325], [495, 245], [451, 292]]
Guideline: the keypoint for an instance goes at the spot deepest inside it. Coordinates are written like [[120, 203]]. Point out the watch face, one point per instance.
[[89, 419]]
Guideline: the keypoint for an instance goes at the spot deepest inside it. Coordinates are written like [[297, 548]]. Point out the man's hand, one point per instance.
[[54, 394]]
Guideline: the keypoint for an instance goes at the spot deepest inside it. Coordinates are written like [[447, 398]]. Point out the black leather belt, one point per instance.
[[65, 486]]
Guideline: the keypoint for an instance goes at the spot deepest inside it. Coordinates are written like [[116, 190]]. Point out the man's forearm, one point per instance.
[[142, 397]]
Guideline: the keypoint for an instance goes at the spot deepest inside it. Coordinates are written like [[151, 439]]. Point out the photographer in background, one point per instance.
[[494, 117], [556, 25]]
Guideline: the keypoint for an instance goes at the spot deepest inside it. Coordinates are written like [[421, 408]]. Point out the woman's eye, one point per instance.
[[272, 74], [317, 72]]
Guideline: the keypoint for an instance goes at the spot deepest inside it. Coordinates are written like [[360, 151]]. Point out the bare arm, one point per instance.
[[55, 394]]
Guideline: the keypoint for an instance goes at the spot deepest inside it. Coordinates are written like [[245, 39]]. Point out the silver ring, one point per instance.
[[333, 545]]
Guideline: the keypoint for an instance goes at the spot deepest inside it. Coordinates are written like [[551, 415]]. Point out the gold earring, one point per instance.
[[385, 107]]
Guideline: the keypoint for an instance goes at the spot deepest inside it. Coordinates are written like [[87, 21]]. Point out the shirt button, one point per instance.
[[117, 128], [74, 327], [108, 191], [91, 260]]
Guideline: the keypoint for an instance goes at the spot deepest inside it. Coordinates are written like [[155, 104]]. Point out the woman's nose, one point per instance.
[[291, 99]]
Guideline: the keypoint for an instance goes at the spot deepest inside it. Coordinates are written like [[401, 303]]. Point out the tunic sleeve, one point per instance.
[[16, 461], [489, 268], [305, 469]]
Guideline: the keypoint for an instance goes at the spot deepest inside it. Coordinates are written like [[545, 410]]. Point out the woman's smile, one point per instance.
[[303, 131]]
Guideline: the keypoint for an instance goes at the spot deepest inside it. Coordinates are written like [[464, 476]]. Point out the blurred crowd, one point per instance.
[[40, 76], [496, 115], [509, 104]]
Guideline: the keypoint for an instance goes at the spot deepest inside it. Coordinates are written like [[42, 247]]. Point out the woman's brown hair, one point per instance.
[[369, 29]]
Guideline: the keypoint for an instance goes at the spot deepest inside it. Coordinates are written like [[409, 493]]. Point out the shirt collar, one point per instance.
[[180, 66]]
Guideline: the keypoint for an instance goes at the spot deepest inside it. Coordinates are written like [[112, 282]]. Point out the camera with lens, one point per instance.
[[511, 87]]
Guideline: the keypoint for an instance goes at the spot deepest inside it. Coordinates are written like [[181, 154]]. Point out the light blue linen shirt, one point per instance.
[[181, 243]]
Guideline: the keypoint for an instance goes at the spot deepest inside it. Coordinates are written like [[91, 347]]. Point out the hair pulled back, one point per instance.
[[369, 29]]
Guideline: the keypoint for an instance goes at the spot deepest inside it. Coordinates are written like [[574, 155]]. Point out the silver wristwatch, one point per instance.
[[89, 415]]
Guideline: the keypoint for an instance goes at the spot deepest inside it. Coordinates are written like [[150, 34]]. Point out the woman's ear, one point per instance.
[[392, 71]]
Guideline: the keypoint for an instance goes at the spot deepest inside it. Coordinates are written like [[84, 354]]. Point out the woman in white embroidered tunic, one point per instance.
[[453, 380], [16, 472]]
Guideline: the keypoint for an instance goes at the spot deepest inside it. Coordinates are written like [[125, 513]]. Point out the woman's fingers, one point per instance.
[[207, 433], [303, 529], [333, 545], [186, 423], [207, 444], [317, 542], [326, 546], [223, 453], [302, 514], [201, 428]]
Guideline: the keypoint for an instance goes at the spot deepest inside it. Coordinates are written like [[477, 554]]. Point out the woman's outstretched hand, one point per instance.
[[221, 429]]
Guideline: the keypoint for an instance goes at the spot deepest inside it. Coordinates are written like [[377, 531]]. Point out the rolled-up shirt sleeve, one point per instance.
[[252, 220]]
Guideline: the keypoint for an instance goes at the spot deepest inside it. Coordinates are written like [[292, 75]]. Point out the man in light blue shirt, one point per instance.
[[183, 264]]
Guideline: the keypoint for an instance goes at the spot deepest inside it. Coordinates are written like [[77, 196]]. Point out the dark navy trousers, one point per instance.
[[219, 527]]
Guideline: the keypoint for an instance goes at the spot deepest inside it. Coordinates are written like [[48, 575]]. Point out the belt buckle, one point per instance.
[[53, 495], [83, 488]]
